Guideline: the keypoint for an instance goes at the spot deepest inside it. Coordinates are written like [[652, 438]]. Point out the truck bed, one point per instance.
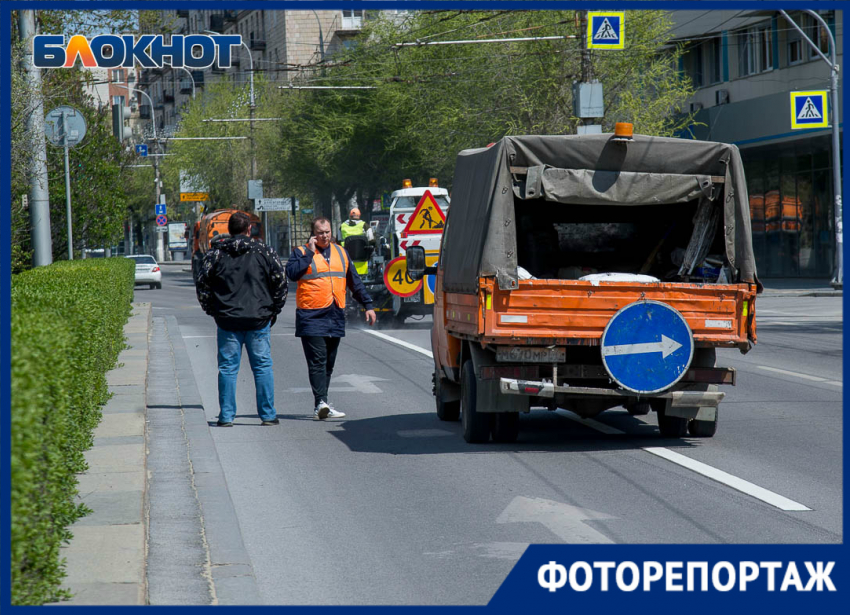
[[575, 312]]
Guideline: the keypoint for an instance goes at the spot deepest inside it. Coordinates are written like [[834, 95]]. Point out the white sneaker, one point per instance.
[[322, 411], [335, 414]]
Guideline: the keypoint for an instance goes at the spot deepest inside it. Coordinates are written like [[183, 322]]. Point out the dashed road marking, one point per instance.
[[799, 375], [402, 343], [739, 484]]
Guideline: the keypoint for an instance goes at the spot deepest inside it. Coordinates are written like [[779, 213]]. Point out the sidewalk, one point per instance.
[[163, 530], [106, 558], [799, 287]]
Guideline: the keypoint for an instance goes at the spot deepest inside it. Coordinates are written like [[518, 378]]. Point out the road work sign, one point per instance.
[[647, 347], [398, 281], [194, 196], [606, 30], [809, 110], [428, 218]]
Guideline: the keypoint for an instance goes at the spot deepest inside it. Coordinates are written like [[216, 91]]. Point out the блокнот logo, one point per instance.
[[149, 50]]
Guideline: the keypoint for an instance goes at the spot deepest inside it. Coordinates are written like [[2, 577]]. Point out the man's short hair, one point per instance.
[[238, 223], [316, 222]]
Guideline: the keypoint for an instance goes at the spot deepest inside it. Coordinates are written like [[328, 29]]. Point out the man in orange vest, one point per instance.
[[323, 270]]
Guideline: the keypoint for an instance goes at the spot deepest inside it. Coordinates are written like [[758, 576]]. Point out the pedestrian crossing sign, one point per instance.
[[809, 110], [605, 30], [428, 218]]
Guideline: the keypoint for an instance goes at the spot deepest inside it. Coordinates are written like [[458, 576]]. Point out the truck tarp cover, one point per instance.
[[587, 170]]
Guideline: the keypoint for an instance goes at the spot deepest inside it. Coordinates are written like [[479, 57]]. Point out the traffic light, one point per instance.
[[118, 122]]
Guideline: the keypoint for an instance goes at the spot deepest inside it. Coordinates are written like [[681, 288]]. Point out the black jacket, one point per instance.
[[241, 283]]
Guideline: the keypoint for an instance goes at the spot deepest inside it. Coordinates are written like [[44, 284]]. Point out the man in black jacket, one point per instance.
[[243, 286]]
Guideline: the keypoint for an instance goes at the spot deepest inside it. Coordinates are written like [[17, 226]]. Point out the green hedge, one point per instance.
[[67, 332]]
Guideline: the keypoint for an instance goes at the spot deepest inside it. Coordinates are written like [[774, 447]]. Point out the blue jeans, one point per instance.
[[257, 343]]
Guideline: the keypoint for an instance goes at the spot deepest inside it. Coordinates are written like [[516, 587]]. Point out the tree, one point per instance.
[[430, 102]]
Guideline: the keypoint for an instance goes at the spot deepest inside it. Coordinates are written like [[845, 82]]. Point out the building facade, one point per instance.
[[744, 65]]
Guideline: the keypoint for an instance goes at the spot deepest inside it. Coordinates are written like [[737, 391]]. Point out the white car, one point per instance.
[[147, 271]]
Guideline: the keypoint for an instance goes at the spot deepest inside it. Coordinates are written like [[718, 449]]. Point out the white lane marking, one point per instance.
[[590, 423], [356, 384], [407, 345], [760, 493], [565, 521], [799, 375]]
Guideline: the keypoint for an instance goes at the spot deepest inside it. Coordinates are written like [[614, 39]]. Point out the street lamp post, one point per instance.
[[160, 241], [838, 275], [321, 37], [251, 116]]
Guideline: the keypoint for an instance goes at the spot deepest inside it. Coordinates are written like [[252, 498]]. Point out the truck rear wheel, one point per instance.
[[669, 426], [704, 429], [505, 427], [446, 410], [476, 425]]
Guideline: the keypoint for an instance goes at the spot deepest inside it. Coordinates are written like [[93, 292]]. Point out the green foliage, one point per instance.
[[67, 331], [430, 102], [99, 196]]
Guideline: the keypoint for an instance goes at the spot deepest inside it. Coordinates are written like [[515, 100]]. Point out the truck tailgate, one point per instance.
[[575, 312]]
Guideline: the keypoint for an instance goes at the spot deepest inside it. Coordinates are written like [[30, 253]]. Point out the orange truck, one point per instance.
[[590, 272], [213, 225]]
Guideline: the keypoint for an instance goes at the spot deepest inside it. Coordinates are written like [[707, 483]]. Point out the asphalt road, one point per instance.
[[390, 506]]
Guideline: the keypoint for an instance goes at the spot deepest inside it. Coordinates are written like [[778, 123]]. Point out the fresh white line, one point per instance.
[[407, 345], [591, 423], [760, 493], [797, 374]]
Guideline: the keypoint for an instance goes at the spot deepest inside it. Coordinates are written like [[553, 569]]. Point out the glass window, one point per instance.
[[755, 50], [694, 66], [117, 75], [818, 34], [714, 60]]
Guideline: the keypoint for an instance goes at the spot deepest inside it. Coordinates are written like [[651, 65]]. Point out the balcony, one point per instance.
[[230, 16], [258, 44], [144, 112], [169, 96], [184, 14], [217, 23], [185, 87], [198, 78]]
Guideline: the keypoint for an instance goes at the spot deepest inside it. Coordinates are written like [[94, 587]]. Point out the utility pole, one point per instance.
[[39, 197], [160, 240]]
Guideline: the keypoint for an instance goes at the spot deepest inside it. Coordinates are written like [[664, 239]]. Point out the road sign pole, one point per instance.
[[67, 191]]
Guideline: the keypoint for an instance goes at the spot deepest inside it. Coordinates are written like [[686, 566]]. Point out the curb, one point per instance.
[[106, 557]]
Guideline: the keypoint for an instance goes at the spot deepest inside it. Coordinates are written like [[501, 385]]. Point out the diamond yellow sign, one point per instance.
[[194, 196]]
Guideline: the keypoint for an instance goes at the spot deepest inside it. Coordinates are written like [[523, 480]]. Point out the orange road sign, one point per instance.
[[194, 196], [427, 219], [397, 280]]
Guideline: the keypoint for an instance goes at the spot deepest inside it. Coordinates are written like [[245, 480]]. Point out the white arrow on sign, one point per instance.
[[666, 347], [565, 521], [358, 384]]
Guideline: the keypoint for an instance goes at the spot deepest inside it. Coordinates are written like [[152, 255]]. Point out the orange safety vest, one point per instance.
[[324, 281]]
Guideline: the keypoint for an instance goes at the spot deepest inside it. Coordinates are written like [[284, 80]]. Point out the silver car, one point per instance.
[[147, 271]]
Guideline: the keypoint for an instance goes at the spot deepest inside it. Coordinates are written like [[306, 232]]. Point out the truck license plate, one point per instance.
[[413, 299], [530, 354]]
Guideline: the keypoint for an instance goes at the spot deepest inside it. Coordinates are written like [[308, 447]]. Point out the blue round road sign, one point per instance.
[[647, 347]]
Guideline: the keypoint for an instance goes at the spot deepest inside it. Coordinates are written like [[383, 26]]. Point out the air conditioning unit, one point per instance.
[[695, 106], [721, 97]]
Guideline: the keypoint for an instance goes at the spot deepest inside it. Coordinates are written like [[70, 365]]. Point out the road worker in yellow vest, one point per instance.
[[323, 270], [354, 226]]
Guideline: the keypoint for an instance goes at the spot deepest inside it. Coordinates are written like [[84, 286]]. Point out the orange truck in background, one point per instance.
[[212, 226], [590, 272]]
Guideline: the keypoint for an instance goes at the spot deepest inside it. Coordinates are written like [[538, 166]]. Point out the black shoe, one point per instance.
[[271, 422], [224, 424]]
